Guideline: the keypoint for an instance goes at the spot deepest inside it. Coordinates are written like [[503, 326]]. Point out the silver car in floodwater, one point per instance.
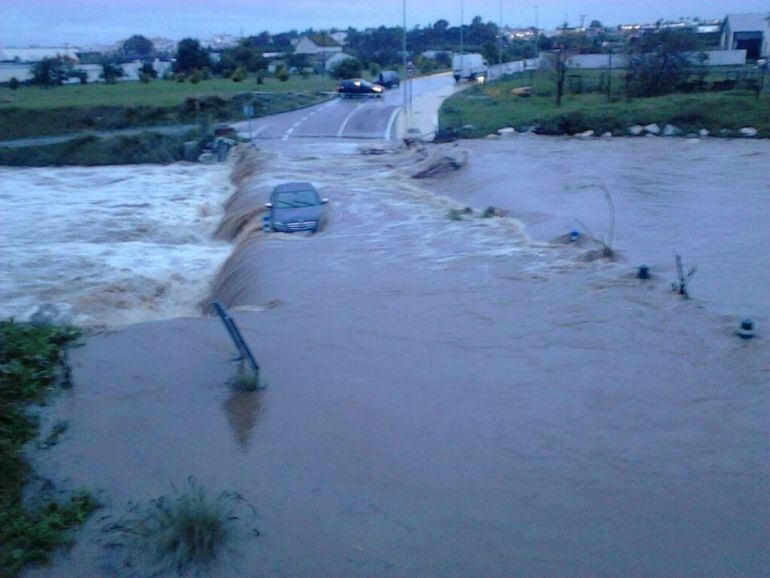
[[296, 207]]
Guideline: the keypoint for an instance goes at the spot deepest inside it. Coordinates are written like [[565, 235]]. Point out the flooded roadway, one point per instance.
[[445, 398]]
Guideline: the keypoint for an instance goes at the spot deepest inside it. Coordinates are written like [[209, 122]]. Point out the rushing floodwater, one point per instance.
[[451, 398], [112, 245]]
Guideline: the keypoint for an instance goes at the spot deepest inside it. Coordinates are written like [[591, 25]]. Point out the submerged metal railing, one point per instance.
[[235, 334]]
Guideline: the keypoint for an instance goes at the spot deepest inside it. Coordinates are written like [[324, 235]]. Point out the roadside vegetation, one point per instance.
[[484, 109], [32, 111], [665, 80], [188, 530], [143, 148], [32, 363]]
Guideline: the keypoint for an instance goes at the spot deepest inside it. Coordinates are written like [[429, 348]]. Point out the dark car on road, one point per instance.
[[296, 207], [359, 87], [389, 79]]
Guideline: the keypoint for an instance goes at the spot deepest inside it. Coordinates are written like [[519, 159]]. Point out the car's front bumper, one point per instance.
[[292, 226]]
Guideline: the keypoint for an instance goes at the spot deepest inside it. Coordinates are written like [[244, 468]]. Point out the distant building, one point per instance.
[[340, 37], [317, 44], [222, 41], [37, 53], [321, 48], [163, 45], [749, 32]]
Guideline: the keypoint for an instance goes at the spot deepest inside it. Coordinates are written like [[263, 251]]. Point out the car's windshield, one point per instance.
[[290, 199]]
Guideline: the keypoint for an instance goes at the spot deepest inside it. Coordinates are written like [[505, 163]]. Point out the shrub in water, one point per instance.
[[178, 533]]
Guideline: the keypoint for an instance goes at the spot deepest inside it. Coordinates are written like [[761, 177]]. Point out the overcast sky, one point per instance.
[[84, 22]]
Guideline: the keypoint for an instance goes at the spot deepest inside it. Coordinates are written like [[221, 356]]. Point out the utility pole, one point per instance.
[[462, 39], [403, 54], [500, 39]]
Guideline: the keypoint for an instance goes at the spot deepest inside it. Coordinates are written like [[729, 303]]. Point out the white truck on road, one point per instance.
[[469, 67]]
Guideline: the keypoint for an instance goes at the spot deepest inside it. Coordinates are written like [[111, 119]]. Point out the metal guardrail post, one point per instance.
[[235, 334]]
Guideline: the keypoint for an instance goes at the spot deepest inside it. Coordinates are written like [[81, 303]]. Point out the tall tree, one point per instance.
[[190, 55], [137, 46], [658, 62]]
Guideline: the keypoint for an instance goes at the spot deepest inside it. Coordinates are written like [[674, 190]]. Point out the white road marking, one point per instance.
[[347, 120], [304, 118], [391, 120]]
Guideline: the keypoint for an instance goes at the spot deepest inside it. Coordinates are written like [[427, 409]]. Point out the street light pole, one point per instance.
[[500, 39], [462, 24], [403, 54]]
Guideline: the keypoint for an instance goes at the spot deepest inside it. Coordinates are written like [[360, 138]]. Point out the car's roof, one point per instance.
[[292, 187]]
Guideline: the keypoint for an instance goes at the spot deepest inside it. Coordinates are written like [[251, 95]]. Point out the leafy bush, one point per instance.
[[239, 75], [148, 69], [50, 71], [95, 151], [282, 74], [31, 361], [81, 75], [111, 72], [348, 68]]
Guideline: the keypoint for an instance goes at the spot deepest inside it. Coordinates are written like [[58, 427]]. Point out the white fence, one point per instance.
[[516, 66], [9, 70], [715, 58]]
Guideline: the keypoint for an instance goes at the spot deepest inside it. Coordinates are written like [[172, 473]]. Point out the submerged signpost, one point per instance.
[[235, 334]]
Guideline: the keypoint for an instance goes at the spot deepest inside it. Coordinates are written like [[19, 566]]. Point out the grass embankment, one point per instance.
[[30, 365], [144, 148], [32, 111], [484, 109]]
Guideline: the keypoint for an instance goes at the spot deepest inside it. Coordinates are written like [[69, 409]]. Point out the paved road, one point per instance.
[[364, 118], [385, 118], [388, 118]]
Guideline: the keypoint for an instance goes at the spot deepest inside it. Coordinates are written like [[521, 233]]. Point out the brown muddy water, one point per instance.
[[453, 398]]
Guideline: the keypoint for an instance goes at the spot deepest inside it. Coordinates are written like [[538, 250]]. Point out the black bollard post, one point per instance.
[[747, 329]]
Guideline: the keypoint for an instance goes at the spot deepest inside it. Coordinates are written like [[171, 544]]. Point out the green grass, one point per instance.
[[30, 364], [155, 93], [33, 111], [493, 106], [143, 148]]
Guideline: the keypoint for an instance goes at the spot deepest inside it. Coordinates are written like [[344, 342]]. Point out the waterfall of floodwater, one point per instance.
[[110, 245]]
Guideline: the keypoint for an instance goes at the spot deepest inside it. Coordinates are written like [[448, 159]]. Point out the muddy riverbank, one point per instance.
[[445, 398]]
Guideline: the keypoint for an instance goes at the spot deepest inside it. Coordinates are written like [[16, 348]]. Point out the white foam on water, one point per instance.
[[111, 245]]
